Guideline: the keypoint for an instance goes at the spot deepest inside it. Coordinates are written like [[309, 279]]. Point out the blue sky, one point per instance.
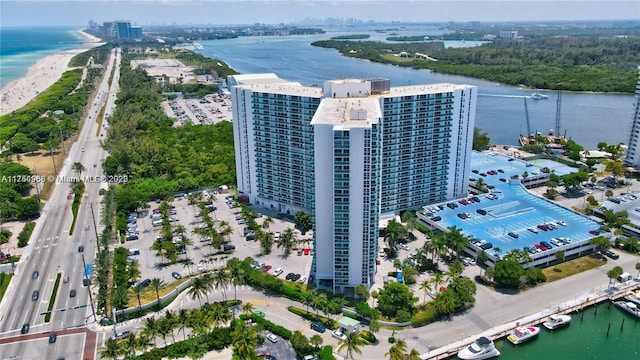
[[218, 12]]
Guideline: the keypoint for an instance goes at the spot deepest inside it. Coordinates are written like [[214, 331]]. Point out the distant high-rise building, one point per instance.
[[135, 32], [351, 153], [510, 34], [122, 29], [632, 156]]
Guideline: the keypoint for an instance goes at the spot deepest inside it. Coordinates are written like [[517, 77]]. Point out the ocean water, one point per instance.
[[21, 48], [500, 109]]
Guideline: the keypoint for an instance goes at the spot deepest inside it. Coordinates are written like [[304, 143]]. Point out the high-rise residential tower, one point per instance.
[[351, 153], [632, 157]]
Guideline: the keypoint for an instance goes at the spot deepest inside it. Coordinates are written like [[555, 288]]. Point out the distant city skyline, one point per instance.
[[225, 12]]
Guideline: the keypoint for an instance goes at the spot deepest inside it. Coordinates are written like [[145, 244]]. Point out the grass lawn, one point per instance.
[[572, 267], [4, 283], [149, 295]]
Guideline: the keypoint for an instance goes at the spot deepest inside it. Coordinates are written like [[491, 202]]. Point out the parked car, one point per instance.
[[277, 272], [176, 275], [302, 280], [513, 235], [200, 267], [610, 254], [267, 268], [318, 327], [339, 335], [594, 232], [272, 338]]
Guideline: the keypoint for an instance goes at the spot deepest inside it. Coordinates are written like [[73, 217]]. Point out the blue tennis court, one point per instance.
[[559, 169], [510, 208]]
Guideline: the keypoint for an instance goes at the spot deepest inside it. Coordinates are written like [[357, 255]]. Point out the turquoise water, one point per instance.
[[585, 338], [20, 48]]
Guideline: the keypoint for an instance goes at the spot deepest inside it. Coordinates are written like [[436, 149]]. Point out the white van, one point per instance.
[[134, 252], [156, 216], [624, 277]]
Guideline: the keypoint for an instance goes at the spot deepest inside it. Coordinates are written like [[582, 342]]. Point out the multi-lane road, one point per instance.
[[54, 250]]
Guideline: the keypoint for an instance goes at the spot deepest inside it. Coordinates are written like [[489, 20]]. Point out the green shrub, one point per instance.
[[268, 325], [392, 339], [52, 300], [25, 234], [326, 353], [368, 337], [427, 316], [329, 323]]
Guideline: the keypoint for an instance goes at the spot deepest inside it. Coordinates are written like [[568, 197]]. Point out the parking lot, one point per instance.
[[208, 110], [152, 266]]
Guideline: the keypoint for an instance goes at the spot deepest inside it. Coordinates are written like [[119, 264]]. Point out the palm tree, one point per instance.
[[129, 345], [236, 274], [183, 321], [198, 289], [171, 322], [437, 280], [220, 315], [247, 308], [425, 286], [133, 271], [393, 233], [197, 322], [287, 241], [138, 290], [308, 298], [221, 280], [316, 340], [482, 259], [156, 284], [456, 239], [111, 350], [397, 351], [151, 328], [266, 242], [78, 168], [244, 341], [374, 326], [351, 344], [266, 224]]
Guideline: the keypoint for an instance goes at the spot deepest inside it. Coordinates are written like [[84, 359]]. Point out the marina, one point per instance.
[[598, 330]]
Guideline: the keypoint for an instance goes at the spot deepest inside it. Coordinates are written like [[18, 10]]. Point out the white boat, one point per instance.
[[538, 96], [482, 348], [629, 307], [634, 298], [522, 334], [557, 321]]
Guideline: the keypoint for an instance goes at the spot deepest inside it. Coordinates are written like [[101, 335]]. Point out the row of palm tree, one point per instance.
[[197, 321], [202, 285]]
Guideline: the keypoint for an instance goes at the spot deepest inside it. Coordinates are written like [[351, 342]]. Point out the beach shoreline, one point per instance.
[[41, 76]]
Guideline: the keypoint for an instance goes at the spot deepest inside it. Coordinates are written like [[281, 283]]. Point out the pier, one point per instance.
[[500, 331]]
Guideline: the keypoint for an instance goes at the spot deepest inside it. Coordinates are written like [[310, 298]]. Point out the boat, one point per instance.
[[522, 334], [629, 307], [538, 96], [634, 297], [557, 321], [482, 348]]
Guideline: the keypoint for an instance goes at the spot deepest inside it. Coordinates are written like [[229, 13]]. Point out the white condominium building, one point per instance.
[[353, 152], [632, 156]]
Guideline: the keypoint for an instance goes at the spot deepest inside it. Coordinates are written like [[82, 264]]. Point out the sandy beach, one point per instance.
[[41, 76]]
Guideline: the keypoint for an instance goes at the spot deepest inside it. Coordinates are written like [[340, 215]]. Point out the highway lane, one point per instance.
[[52, 250]]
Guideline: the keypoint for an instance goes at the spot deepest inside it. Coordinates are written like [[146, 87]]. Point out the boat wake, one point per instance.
[[505, 96]]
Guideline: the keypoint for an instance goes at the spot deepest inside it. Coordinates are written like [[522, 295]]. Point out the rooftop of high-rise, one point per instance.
[[346, 113]]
